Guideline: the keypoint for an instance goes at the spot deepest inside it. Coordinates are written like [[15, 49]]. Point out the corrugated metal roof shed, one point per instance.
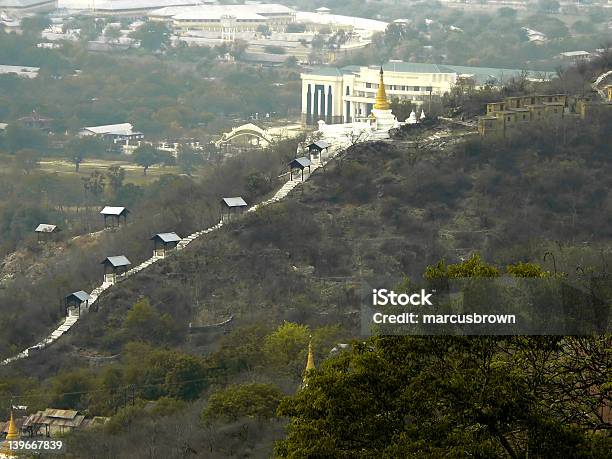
[[118, 260], [55, 418], [62, 414], [234, 202]]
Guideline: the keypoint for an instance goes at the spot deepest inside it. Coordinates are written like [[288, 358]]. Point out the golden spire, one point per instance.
[[13, 432], [310, 362], [11, 435], [381, 95], [310, 365]]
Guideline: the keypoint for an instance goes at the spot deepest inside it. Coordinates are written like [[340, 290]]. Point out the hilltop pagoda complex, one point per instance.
[[374, 127]]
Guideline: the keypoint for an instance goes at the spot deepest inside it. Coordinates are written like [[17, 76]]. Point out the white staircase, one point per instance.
[[70, 320]]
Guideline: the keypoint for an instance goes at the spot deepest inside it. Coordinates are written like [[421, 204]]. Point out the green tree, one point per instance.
[[398, 396], [473, 267], [188, 159], [401, 108], [241, 349], [258, 184], [526, 270], [243, 400], [146, 156], [71, 390], [20, 137], [162, 373], [431, 397], [144, 323], [287, 343], [79, 147], [291, 62], [505, 12], [238, 48], [185, 378], [27, 160], [153, 35], [34, 25], [109, 393], [115, 176], [548, 6], [94, 184], [112, 34]]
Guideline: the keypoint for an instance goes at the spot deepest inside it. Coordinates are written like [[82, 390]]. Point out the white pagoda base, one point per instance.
[[385, 120]]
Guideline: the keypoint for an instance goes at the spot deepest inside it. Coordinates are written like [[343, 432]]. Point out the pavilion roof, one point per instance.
[[110, 210], [300, 163], [235, 202], [117, 261], [167, 237], [80, 295], [45, 228]]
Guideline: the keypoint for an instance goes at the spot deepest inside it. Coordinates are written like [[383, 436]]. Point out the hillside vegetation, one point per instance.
[[380, 210]]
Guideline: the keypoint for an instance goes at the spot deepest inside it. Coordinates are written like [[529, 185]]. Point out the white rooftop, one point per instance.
[[234, 202], [216, 12], [20, 70], [122, 5], [575, 53], [116, 129], [167, 237], [109, 210], [267, 8], [370, 25], [20, 3], [45, 228]]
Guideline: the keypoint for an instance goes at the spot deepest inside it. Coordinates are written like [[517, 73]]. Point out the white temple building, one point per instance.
[[345, 94], [375, 127]]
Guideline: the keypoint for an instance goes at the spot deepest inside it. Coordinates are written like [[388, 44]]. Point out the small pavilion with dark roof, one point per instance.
[[316, 148], [114, 214], [75, 300], [231, 207], [301, 164], [115, 267], [45, 231], [164, 243]]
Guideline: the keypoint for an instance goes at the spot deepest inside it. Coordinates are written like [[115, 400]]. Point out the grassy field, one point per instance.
[[133, 172]]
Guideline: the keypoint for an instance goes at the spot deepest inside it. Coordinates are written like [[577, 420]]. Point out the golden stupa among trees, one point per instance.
[[12, 435]]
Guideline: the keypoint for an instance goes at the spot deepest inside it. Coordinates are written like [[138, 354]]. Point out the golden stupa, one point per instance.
[[11, 435], [381, 95]]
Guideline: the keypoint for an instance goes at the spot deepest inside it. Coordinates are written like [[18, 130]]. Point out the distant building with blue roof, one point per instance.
[[346, 94]]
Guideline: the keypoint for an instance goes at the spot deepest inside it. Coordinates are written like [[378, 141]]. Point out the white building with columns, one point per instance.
[[343, 95]]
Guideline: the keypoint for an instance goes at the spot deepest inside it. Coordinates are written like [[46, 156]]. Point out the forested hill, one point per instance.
[[380, 209], [383, 210]]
